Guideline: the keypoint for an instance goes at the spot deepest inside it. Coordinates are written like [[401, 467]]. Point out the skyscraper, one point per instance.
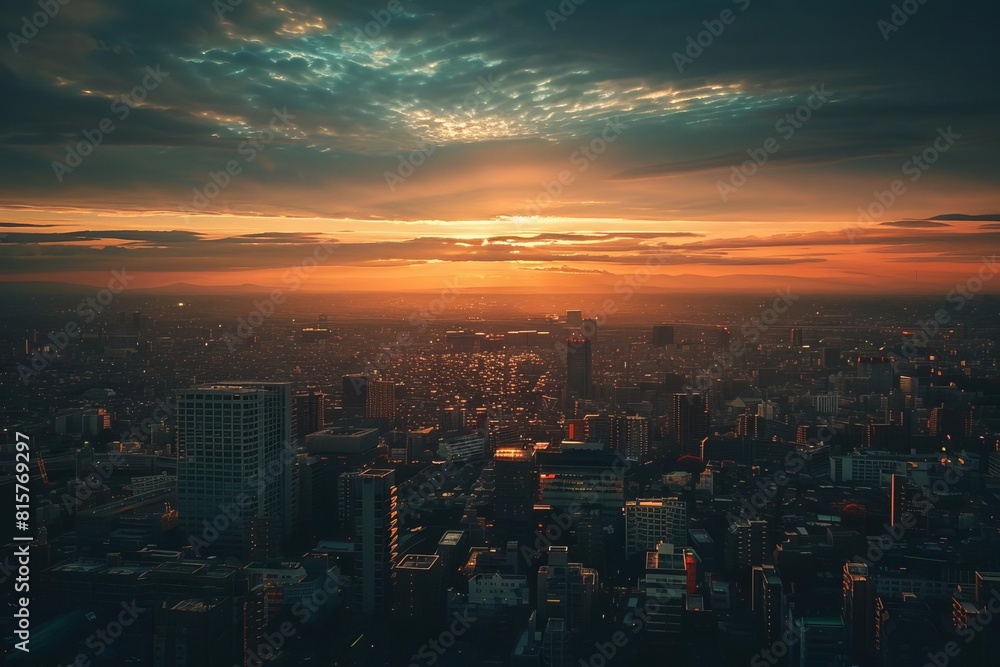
[[630, 435], [310, 411], [516, 491], [690, 421], [374, 499], [381, 399], [859, 610], [237, 443], [579, 380], [355, 395]]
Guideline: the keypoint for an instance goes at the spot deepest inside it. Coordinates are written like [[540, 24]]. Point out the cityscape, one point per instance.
[[508, 334]]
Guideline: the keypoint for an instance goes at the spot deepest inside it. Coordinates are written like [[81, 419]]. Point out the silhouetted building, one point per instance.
[[690, 421], [374, 500]]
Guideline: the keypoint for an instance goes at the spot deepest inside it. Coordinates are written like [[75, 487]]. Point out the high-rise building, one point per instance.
[[746, 546], [598, 428], [420, 591], [310, 412], [663, 335], [859, 611], [574, 319], [630, 436], [566, 590], [579, 380], [237, 443], [906, 507], [690, 421], [649, 521], [516, 491], [795, 337], [381, 399], [354, 398], [665, 580], [768, 605], [376, 528]]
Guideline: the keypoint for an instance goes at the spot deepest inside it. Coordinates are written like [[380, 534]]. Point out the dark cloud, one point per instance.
[[914, 224]]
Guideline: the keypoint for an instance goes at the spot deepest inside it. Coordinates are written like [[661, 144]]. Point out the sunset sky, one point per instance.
[[489, 104]]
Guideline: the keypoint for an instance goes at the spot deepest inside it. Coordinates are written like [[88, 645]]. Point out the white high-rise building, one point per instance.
[[236, 440], [649, 521]]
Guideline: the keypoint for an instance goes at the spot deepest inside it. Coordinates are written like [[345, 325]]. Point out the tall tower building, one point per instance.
[[690, 421], [237, 439], [859, 611], [376, 527], [579, 379], [354, 398], [381, 399], [630, 436], [420, 587], [516, 491], [906, 505], [567, 591], [310, 412]]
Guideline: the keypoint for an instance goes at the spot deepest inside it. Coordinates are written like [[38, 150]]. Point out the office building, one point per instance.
[[630, 436], [690, 421], [310, 412], [579, 379], [376, 528], [566, 591], [859, 611], [649, 521], [516, 481], [237, 443], [381, 400], [420, 591], [354, 396]]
